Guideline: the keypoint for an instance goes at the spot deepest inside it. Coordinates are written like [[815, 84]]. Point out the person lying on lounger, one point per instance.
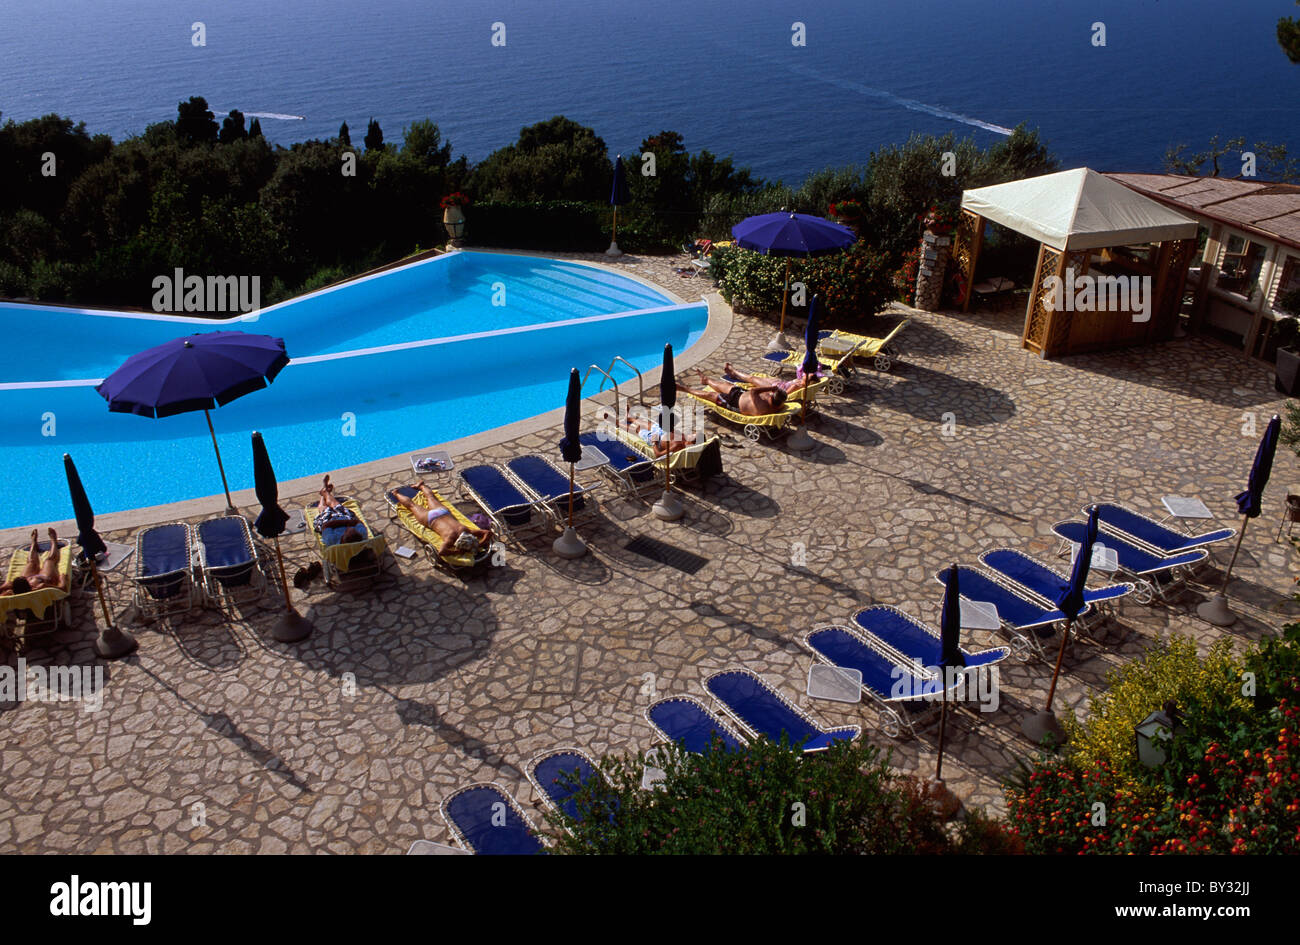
[[752, 403], [651, 433], [800, 381], [335, 521], [38, 574], [438, 518]]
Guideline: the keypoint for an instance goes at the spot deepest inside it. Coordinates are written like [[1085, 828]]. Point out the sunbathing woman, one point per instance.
[[651, 433], [800, 381], [38, 574], [751, 403], [438, 518]]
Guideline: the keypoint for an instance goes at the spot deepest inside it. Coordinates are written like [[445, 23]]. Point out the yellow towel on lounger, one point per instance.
[[340, 556], [41, 600], [455, 559]]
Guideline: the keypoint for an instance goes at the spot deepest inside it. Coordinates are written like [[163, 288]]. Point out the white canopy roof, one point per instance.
[[1078, 209]]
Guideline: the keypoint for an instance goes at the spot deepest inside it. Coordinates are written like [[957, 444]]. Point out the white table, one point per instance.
[[979, 615], [1103, 558], [836, 683], [441, 460], [591, 459], [1184, 507]]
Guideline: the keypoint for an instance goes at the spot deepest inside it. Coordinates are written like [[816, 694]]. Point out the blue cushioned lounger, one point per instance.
[[500, 498], [470, 812], [1038, 578], [1153, 574], [761, 710], [631, 468], [163, 568], [915, 640], [884, 674], [683, 719], [547, 482], [1017, 611], [227, 550], [1145, 531], [552, 774]]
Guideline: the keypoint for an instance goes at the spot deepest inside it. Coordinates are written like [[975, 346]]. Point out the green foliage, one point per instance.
[[1288, 36], [345, 136], [374, 139], [1170, 670], [765, 799], [557, 159], [853, 285], [195, 123], [232, 127]]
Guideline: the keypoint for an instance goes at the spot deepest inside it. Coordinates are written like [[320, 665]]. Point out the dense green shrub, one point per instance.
[[765, 799], [1231, 783], [853, 285]]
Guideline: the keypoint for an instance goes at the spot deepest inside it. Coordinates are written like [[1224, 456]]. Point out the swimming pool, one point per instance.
[[384, 365]]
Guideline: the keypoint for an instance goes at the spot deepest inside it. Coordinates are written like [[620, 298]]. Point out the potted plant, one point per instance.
[[938, 221], [453, 216], [1287, 367], [848, 212]]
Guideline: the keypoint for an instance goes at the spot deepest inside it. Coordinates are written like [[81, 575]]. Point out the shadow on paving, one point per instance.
[[927, 395]]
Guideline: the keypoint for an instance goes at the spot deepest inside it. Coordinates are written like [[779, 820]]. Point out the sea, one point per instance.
[[782, 86]]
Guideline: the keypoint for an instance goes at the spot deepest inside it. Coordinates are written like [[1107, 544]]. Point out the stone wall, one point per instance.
[[935, 251]]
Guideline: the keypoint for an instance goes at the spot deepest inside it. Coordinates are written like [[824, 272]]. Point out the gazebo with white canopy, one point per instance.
[[1092, 228]]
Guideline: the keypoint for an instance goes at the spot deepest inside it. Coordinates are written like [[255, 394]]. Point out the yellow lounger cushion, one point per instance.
[[38, 601], [457, 559], [686, 458], [341, 555], [777, 420]]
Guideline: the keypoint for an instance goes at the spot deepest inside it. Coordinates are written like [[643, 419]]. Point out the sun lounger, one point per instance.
[[628, 465], [838, 369], [687, 721], [549, 485], [164, 570], [37, 612], [348, 564], [1154, 575], [485, 820], [915, 640], [864, 346], [228, 560], [429, 540], [770, 424], [1039, 580], [1149, 534], [512, 510], [759, 710], [892, 683], [808, 392], [553, 774], [1026, 620]]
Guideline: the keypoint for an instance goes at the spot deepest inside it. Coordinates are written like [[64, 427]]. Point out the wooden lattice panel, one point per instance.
[[1040, 313], [1075, 264], [966, 249]]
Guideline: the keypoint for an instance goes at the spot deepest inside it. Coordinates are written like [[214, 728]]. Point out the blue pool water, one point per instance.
[[382, 366]]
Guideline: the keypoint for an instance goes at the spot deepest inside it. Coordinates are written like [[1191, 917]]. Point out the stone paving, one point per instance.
[[213, 737]]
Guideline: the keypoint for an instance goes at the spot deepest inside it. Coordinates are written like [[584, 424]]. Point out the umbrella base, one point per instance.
[[113, 643], [669, 508], [1041, 726], [569, 545], [943, 800], [780, 342], [613, 249], [292, 627], [800, 440], [1216, 611]]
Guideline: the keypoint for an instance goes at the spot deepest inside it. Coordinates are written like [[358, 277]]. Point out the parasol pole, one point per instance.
[[230, 506]]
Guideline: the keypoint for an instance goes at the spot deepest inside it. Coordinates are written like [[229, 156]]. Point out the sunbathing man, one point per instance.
[[438, 518], [335, 521], [800, 381], [38, 574], [751, 403]]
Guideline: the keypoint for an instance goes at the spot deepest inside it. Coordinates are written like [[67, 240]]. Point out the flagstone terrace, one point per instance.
[[213, 737]]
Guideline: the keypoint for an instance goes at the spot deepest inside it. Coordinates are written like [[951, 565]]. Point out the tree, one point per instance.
[[1272, 161], [557, 159], [374, 140], [195, 123], [255, 129], [345, 136], [232, 127], [1288, 36]]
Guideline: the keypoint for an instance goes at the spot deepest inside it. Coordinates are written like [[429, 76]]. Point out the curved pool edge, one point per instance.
[[715, 333]]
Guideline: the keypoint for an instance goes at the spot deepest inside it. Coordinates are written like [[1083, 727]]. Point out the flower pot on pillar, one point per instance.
[[453, 218]]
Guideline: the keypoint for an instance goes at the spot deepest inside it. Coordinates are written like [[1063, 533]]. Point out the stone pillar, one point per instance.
[[935, 251]]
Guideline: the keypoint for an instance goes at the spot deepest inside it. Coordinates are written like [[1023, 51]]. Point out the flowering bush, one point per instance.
[[454, 200], [938, 220], [852, 285], [850, 211], [904, 278]]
